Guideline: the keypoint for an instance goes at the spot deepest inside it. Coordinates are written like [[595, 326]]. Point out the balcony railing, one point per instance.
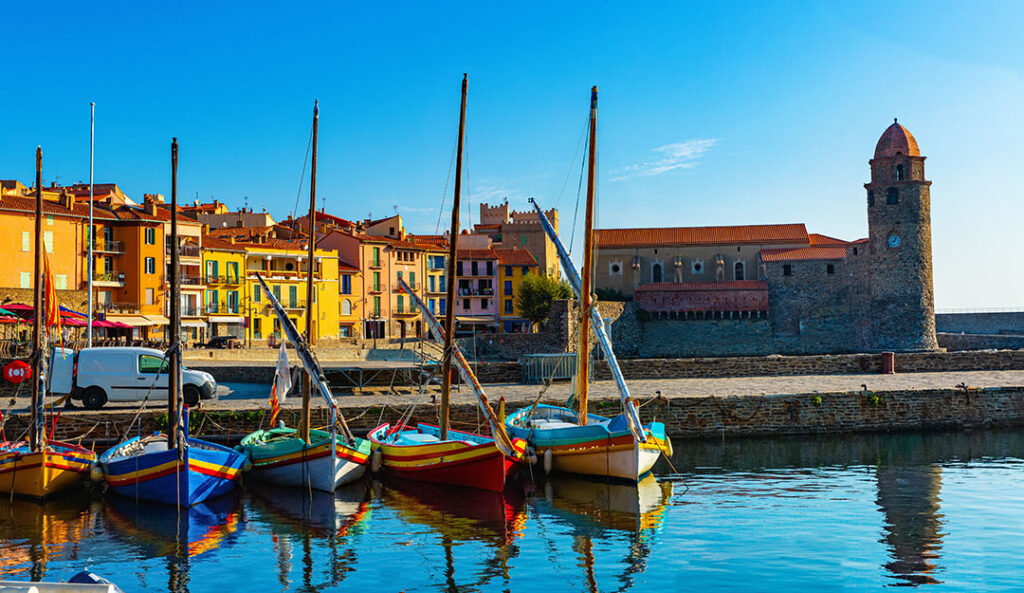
[[221, 279], [107, 247], [190, 251], [192, 280], [190, 311], [466, 292], [119, 307], [117, 277]]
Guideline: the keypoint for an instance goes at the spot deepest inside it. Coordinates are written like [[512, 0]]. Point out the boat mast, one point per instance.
[[453, 236], [583, 347], [37, 431], [174, 354], [88, 233], [307, 380]]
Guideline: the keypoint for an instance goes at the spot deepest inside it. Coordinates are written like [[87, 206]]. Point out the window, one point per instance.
[[150, 236], [150, 296], [277, 292], [656, 273], [376, 280], [892, 196], [108, 234], [738, 270], [508, 270], [391, 230], [440, 284], [376, 256], [151, 265], [490, 268], [508, 288], [465, 304], [412, 280], [26, 241], [400, 304], [441, 306], [432, 305], [211, 271], [233, 272], [346, 284], [257, 293], [49, 220], [614, 268], [60, 282], [855, 251], [899, 173], [293, 296], [697, 266], [152, 364], [108, 264], [26, 280], [524, 240], [233, 301], [485, 303], [458, 269], [787, 270], [475, 266], [398, 283], [346, 307], [508, 306], [376, 306], [432, 283], [830, 269], [48, 241], [871, 198], [526, 270], [257, 328]]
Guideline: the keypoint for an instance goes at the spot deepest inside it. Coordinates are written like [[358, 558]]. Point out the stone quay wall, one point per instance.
[[685, 418], [990, 323]]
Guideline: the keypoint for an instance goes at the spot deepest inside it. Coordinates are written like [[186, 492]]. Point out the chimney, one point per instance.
[[150, 206]]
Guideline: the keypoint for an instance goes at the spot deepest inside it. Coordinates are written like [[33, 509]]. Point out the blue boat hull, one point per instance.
[[206, 471]]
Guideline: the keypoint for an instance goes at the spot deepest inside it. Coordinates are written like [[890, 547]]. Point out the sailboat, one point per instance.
[[577, 441], [318, 459], [439, 454], [36, 467], [172, 468]]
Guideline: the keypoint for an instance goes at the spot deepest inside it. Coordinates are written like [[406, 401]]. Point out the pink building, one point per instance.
[[476, 307]]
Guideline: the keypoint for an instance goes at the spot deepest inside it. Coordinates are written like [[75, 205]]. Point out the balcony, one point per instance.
[[471, 292], [107, 247], [123, 308], [190, 251], [191, 280], [221, 279], [108, 279], [190, 311], [376, 289], [296, 304]]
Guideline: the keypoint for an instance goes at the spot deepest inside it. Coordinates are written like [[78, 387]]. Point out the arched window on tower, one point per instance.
[[900, 175], [871, 198], [738, 270], [892, 196], [656, 272]]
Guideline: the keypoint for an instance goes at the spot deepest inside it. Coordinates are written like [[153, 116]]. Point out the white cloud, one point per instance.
[[681, 155]]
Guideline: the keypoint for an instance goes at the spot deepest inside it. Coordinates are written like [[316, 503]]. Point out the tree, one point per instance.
[[536, 293]]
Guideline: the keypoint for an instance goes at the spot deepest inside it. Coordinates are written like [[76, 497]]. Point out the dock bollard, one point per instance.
[[888, 363]]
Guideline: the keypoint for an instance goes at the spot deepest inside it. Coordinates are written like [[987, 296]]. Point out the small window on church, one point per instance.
[[787, 269], [871, 198], [892, 196], [738, 268], [899, 173], [830, 269], [855, 251]]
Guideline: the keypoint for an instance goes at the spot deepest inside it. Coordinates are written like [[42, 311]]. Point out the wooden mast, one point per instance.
[[174, 354], [583, 347], [449, 312], [35, 442], [307, 383]]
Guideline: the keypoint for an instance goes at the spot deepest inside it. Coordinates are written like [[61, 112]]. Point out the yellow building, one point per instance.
[[513, 265], [224, 277], [282, 265]]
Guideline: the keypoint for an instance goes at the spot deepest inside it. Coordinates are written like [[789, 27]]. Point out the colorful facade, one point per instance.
[[513, 265]]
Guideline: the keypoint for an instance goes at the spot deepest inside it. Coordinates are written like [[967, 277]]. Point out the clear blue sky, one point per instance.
[[710, 113]]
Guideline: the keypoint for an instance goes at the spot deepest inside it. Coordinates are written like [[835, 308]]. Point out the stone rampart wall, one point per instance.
[[1009, 322], [955, 342]]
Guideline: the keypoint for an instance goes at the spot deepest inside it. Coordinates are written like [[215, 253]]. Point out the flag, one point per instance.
[[51, 305], [282, 383]]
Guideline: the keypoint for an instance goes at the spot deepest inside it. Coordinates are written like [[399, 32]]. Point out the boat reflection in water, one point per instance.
[[317, 520], [32, 534], [594, 510], [177, 534], [463, 515]]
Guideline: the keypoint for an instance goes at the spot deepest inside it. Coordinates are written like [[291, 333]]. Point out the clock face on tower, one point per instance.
[[894, 241]]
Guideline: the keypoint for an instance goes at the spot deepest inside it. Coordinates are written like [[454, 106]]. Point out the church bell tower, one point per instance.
[[900, 243]]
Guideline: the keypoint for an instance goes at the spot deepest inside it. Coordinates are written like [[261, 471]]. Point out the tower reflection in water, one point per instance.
[[908, 496]]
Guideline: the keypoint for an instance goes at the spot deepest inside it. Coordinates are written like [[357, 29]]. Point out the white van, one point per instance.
[[123, 374]]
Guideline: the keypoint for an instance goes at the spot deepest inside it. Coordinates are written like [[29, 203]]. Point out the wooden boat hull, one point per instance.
[[474, 461], [44, 473], [279, 457], [602, 447], [206, 471]]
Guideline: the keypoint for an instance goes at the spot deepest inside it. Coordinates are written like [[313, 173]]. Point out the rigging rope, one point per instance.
[[302, 176]]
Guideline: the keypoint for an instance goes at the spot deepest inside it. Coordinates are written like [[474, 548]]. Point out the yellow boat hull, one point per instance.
[[43, 473]]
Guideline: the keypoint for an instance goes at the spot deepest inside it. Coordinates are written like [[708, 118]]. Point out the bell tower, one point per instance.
[[900, 245]]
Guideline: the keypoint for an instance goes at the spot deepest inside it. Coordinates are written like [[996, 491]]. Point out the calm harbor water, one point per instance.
[[936, 511]]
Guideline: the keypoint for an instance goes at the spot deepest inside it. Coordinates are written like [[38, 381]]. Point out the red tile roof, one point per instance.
[[211, 242], [488, 253], [703, 286], [81, 210], [804, 253], [515, 257], [343, 267], [714, 235], [818, 239], [896, 139]]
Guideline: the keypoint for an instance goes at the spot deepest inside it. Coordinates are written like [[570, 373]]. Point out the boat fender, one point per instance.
[[376, 461], [668, 446], [96, 472], [549, 492], [548, 461]]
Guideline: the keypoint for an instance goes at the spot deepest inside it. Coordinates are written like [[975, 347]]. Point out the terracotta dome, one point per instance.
[[896, 139]]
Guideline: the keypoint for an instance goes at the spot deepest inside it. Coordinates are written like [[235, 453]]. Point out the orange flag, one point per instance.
[[51, 304]]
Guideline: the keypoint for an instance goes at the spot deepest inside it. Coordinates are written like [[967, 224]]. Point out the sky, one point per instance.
[[710, 113]]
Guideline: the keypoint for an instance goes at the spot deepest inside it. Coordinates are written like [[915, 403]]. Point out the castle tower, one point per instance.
[[900, 242]]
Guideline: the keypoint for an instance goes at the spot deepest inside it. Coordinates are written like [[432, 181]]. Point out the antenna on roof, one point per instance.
[[395, 208]]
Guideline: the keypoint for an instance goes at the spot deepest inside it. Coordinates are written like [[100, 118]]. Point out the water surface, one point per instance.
[[939, 512]]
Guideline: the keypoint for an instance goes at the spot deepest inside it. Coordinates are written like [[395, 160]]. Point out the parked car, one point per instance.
[[98, 375], [229, 342]]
